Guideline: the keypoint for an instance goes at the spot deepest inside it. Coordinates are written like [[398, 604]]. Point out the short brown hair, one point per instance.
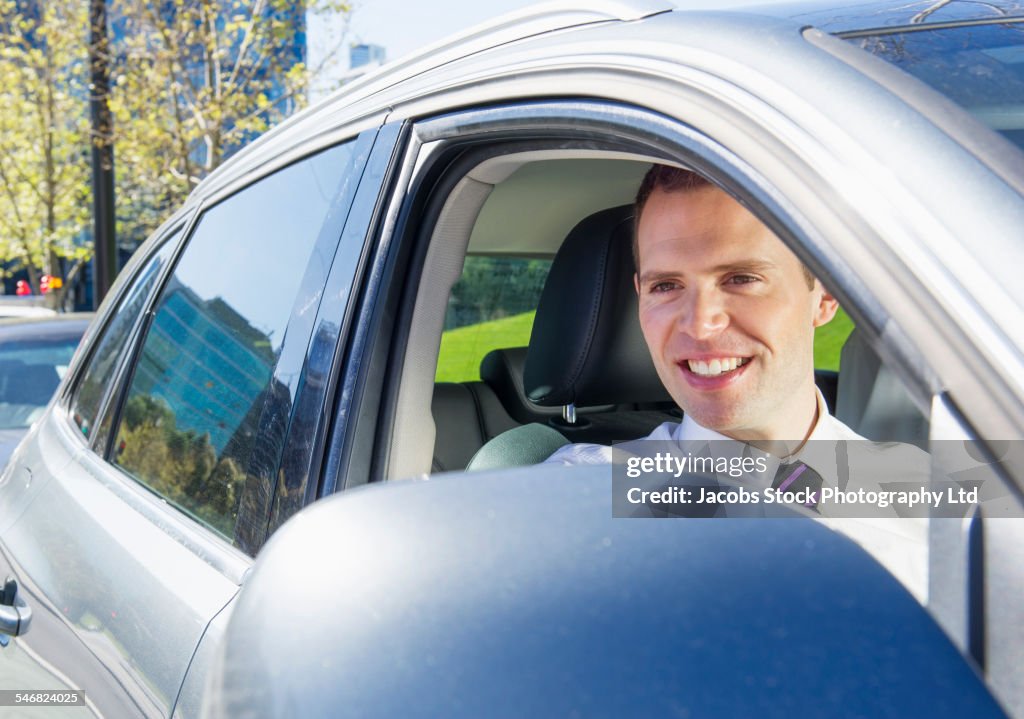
[[675, 179]]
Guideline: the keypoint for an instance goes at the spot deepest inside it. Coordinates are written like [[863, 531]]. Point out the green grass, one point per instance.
[[829, 339], [462, 349]]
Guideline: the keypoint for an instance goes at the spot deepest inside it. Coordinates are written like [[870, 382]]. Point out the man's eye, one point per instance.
[[663, 286], [743, 279]]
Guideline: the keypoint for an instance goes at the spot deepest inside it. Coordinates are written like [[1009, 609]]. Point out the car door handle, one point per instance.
[[15, 614]]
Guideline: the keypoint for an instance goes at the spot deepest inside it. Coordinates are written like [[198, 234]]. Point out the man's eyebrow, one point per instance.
[[740, 266], [657, 276], [745, 266]]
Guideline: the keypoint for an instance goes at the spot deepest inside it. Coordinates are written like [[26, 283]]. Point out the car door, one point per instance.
[[328, 372], [27, 663], [131, 514]]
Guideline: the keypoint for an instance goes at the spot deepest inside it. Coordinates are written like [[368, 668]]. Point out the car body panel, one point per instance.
[[140, 582], [119, 604], [31, 306], [110, 568]]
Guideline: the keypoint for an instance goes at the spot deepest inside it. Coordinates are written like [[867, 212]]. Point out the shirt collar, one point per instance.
[[818, 452]]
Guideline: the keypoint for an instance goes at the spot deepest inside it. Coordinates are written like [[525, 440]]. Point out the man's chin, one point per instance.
[[718, 419]]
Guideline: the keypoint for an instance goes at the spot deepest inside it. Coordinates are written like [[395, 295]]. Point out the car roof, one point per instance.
[[354, 106], [750, 54], [535, 20], [45, 329]]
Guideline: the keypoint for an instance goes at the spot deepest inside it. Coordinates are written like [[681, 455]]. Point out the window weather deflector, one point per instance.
[[952, 24]]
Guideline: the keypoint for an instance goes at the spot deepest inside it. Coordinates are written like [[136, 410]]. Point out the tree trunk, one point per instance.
[[105, 260]]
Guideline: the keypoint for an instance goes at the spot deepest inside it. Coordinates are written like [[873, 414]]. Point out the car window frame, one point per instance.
[[613, 126], [179, 224], [435, 140], [152, 504]]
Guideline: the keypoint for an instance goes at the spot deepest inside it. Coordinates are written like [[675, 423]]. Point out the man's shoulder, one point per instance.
[[572, 454], [864, 447]]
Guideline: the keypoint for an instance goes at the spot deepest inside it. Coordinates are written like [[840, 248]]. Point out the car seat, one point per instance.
[[872, 401], [586, 349]]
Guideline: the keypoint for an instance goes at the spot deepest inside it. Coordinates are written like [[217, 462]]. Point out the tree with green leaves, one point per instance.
[[44, 137], [192, 82]]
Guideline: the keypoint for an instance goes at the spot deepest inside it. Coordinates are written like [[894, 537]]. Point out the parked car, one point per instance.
[[35, 354], [24, 307], [278, 342]]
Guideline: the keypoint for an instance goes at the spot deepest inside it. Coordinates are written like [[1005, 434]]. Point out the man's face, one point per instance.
[[728, 316]]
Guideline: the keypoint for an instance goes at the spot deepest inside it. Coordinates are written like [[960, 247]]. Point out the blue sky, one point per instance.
[[402, 26]]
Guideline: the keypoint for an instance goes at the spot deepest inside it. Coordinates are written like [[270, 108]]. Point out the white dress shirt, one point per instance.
[[900, 545]]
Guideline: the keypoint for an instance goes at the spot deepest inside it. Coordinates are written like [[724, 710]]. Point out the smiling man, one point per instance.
[[728, 313]]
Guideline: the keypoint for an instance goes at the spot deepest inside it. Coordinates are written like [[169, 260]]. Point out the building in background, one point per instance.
[[366, 54]]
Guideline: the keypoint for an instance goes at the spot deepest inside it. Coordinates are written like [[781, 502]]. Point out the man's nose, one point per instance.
[[703, 315]]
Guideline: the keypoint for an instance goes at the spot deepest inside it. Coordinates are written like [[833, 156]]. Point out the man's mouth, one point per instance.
[[717, 366]]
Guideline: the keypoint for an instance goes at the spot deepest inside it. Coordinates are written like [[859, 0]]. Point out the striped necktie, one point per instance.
[[796, 476]]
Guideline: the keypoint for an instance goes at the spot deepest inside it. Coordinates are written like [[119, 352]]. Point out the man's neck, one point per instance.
[[768, 440]]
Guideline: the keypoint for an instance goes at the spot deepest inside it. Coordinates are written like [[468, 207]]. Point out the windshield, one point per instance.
[[978, 66], [29, 374]]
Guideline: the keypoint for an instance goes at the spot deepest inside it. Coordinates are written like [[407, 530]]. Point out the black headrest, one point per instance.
[[502, 370], [586, 347]]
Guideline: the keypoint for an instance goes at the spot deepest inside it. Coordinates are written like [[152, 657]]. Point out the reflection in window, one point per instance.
[[979, 67], [204, 421], [110, 348]]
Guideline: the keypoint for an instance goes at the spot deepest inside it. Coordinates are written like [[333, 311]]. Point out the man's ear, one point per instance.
[[636, 283], [827, 305]]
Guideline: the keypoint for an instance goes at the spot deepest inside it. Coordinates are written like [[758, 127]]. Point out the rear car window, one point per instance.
[[29, 374], [829, 340], [492, 306], [204, 421]]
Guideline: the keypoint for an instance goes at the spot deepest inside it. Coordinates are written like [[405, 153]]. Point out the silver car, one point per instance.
[[349, 301]]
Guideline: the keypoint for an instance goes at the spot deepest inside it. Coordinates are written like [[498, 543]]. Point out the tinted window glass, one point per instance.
[[30, 371], [491, 306], [979, 67], [110, 348], [205, 416]]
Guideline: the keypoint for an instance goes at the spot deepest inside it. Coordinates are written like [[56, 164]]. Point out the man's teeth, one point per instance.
[[716, 366]]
